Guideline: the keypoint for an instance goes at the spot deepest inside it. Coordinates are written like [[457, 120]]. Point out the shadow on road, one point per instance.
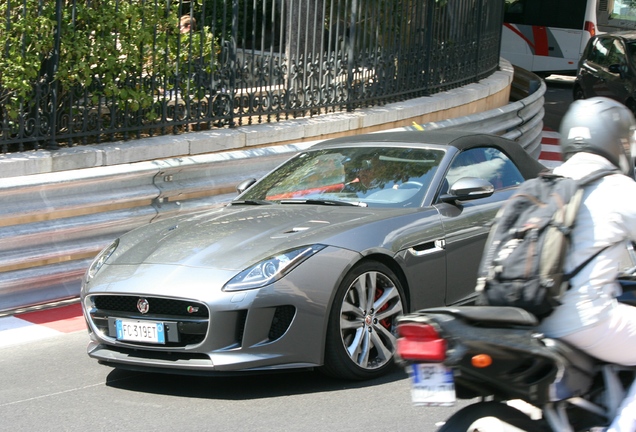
[[239, 387]]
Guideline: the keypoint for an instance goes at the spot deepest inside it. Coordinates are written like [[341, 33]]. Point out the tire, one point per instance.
[[486, 416], [360, 340]]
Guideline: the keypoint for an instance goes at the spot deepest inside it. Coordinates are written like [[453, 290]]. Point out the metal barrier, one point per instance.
[[520, 121], [52, 225]]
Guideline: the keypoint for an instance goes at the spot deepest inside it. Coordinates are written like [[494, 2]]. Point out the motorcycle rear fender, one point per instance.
[[523, 366]]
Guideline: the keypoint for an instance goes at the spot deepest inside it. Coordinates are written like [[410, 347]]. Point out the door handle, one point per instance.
[[428, 248]]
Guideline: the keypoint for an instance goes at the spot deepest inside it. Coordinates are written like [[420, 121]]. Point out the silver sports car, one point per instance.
[[309, 266]]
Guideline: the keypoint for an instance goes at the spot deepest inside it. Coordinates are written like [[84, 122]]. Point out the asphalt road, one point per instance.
[[52, 385], [558, 97]]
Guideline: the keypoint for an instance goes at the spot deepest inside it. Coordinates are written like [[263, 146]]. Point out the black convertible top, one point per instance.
[[458, 139]]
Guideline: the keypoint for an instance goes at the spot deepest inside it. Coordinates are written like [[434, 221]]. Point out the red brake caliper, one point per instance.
[[386, 322]]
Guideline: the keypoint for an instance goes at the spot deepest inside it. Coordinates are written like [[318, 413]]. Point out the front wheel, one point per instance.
[[491, 416], [360, 339]]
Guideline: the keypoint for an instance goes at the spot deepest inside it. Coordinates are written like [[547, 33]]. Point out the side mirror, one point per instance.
[[468, 188], [245, 185]]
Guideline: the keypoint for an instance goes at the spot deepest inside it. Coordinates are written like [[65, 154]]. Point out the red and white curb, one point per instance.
[[35, 325], [550, 151]]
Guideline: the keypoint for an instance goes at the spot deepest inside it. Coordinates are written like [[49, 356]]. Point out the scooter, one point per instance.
[[524, 380]]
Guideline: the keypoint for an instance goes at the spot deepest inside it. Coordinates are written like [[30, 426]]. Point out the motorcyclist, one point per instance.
[[598, 133]]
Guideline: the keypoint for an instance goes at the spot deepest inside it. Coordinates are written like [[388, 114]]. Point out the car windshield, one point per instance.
[[365, 176]]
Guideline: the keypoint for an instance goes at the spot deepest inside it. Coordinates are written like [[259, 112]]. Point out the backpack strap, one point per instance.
[[581, 266], [567, 223], [597, 175], [573, 208]]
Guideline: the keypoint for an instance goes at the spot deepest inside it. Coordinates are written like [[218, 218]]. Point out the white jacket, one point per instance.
[[607, 217]]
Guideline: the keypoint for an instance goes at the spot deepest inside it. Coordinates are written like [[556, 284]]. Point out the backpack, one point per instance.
[[522, 264]]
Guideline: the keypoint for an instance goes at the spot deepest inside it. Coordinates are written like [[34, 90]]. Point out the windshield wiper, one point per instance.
[[331, 202], [251, 202]]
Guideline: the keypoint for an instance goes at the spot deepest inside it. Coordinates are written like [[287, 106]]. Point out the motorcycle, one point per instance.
[[524, 380]]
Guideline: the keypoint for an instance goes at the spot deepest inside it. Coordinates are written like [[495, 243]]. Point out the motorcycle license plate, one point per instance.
[[432, 384]]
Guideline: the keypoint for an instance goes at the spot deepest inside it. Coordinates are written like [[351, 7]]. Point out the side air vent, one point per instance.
[[281, 321]]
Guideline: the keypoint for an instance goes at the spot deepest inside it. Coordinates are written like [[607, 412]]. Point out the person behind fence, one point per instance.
[[597, 134], [187, 24]]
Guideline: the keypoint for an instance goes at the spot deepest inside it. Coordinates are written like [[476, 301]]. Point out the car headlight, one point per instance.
[[270, 269], [100, 259]]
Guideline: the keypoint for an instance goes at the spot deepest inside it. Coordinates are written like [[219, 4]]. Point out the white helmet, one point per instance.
[[602, 126]]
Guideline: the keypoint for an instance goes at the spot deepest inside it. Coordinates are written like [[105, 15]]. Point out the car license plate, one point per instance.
[[140, 331], [432, 384]]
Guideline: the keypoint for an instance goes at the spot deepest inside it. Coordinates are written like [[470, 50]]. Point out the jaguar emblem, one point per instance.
[[143, 306]]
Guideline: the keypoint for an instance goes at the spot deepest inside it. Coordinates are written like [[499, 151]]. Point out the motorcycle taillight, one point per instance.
[[420, 342]]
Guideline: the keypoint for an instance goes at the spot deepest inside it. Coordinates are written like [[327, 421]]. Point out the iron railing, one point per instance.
[[87, 72]]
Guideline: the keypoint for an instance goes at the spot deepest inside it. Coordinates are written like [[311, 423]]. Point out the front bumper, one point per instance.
[[280, 326]]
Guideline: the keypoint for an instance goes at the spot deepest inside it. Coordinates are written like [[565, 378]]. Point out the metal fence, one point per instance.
[[87, 72]]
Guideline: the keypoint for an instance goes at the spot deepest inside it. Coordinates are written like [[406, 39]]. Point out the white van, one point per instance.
[[547, 36]]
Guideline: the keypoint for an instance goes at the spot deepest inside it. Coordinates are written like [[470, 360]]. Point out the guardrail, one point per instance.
[[520, 121], [52, 225]]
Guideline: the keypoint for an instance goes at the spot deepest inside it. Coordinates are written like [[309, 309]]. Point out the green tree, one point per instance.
[[110, 47], [28, 35]]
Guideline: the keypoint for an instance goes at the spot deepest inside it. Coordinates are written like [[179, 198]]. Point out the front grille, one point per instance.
[[158, 306], [191, 318]]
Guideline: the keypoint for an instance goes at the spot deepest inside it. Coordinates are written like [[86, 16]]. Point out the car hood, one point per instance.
[[235, 237]]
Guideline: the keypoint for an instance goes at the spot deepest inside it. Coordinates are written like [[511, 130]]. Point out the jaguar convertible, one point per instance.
[[309, 266]]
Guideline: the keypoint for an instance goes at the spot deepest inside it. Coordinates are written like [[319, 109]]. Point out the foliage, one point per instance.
[[28, 36], [630, 14], [630, 3], [110, 47]]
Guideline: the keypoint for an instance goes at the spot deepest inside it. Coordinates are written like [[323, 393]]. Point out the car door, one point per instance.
[[618, 72], [594, 71], [467, 224]]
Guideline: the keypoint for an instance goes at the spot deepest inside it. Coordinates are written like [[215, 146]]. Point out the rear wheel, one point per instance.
[[360, 334], [491, 416]]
